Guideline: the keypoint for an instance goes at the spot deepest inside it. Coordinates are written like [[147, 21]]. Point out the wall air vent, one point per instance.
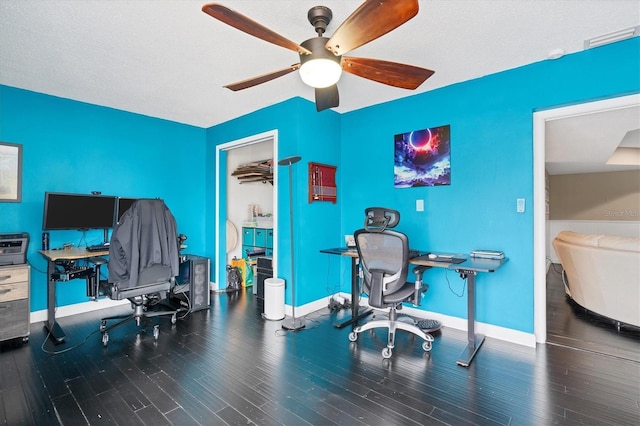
[[612, 37]]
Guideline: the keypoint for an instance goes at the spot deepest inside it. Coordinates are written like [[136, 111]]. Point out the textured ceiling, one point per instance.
[[168, 59]]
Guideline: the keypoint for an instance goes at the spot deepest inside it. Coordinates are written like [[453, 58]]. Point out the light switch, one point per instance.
[[419, 205], [520, 205]]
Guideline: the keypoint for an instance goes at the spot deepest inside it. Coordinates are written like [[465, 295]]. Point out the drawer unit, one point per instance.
[[255, 239], [14, 302]]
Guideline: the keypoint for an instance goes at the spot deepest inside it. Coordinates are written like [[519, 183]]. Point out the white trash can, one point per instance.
[[274, 299]]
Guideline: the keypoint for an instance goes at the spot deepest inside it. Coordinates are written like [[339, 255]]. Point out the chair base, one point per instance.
[[140, 315], [393, 324]]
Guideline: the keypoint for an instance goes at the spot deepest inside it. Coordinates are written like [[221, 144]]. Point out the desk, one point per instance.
[[356, 314], [55, 256], [467, 270]]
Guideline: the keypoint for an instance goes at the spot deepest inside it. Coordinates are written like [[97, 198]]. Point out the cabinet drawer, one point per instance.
[[248, 236], [261, 237], [14, 274], [13, 291], [14, 319], [270, 238]]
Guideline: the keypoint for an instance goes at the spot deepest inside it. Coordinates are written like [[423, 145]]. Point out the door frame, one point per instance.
[[221, 203], [540, 232]]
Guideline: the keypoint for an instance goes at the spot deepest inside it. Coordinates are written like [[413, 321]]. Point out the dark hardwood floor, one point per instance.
[[227, 365]]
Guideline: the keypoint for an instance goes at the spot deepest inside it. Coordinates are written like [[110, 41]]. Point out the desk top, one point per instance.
[[342, 251], [72, 253], [478, 264], [458, 263]]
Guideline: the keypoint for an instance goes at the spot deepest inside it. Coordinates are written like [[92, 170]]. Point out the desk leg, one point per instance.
[[356, 315], [55, 332], [474, 340]]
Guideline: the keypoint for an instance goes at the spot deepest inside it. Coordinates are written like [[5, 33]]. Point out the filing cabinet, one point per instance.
[[14, 302]]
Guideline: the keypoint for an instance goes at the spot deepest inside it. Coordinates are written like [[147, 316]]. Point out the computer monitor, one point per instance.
[[78, 211], [125, 203], [123, 206]]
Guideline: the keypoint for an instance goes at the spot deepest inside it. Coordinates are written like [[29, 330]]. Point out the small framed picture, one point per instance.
[[10, 172]]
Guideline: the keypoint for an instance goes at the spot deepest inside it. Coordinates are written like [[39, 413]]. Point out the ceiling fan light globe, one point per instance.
[[320, 73]]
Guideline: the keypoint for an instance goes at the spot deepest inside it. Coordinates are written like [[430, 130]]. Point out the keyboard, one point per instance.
[[99, 247]]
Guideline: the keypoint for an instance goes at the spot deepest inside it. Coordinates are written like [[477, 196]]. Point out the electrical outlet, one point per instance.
[[520, 205], [419, 205]]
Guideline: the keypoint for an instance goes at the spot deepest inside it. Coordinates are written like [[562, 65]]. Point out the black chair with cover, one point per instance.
[[384, 261], [143, 264]]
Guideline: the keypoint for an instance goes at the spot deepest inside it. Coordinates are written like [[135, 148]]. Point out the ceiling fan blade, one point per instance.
[[251, 27], [371, 20], [250, 82], [385, 72], [327, 97]]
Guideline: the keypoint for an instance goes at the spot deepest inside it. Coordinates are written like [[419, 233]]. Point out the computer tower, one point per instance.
[[192, 284]]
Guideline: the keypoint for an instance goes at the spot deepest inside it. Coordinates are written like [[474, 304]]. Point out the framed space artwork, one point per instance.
[[422, 158]]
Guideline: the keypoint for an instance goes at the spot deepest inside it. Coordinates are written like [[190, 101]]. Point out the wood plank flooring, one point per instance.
[[227, 365]]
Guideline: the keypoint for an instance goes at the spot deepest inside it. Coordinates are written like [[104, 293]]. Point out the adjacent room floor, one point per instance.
[[227, 365]]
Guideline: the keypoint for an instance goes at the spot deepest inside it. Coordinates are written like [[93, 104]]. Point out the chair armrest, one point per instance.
[[376, 289]]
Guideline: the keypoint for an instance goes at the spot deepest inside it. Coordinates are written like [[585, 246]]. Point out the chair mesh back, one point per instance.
[[387, 251]]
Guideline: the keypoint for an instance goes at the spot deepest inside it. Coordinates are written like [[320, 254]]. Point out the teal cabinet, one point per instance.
[[257, 239]]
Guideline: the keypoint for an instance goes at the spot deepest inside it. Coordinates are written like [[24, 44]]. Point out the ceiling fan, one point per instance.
[[321, 58]]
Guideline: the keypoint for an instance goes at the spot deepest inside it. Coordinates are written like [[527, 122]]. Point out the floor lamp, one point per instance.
[[292, 323]]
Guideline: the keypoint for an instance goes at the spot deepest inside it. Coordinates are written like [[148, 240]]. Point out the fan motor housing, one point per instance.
[[318, 51]]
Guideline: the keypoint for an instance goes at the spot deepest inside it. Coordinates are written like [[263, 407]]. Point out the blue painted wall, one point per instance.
[[71, 146], [492, 165]]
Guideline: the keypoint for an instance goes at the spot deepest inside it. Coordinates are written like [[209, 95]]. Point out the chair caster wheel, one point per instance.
[[105, 339], [173, 319], [156, 331], [353, 336], [426, 346], [103, 325], [386, 353]]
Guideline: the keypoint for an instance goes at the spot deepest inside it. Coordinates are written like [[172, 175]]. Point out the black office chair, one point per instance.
[[384, 261], [143, 264]]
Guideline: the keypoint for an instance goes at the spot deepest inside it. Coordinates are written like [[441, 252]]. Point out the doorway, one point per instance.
[[541, 239], [231, 203]]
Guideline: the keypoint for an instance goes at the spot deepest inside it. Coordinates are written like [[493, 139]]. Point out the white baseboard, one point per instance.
[[77, 308], [489, 330], [308, 308]]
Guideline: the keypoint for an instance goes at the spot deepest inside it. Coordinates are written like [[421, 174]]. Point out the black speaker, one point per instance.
[[192, 284], [265, 270]]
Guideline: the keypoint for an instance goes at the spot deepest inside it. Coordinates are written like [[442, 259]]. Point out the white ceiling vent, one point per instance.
[[612, 37]]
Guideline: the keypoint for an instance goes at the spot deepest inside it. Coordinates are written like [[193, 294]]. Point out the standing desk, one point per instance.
[[62, 255], [356, 314], [467, 270]]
